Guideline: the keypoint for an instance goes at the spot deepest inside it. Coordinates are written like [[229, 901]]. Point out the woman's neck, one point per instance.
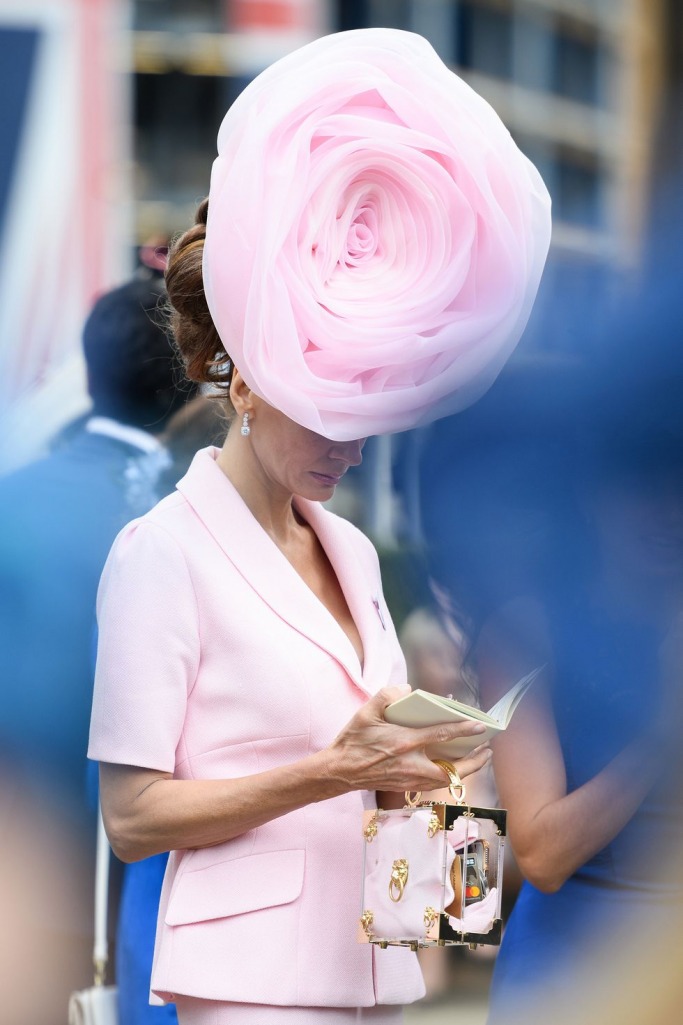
[[271, 505]]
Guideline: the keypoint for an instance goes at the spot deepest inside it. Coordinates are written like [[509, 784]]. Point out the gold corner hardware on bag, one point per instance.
[[430, 916], [399, 878], [370, 831], [366, 920]]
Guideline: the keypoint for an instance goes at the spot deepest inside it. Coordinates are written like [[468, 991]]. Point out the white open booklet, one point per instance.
[[420, 708]]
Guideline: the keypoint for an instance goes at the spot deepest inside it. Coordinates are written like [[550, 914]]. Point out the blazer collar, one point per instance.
[[261, 563]]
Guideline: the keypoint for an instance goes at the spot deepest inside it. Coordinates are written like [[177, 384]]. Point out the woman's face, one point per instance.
[[296, 460]]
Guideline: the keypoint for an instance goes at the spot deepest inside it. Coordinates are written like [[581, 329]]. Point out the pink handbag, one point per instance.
[[432, 872]]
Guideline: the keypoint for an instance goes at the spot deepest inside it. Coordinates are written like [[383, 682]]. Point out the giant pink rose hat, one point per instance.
[[375, 238]]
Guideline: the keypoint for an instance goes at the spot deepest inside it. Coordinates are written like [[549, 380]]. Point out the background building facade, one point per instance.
[[578, 83]]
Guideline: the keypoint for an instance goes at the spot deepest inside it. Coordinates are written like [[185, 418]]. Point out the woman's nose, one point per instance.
[[350, 451]]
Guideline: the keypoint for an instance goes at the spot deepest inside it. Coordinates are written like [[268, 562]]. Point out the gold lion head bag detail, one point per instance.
[[433, 872]]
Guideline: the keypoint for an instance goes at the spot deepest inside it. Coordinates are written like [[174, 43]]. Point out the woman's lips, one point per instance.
[[328, 479]]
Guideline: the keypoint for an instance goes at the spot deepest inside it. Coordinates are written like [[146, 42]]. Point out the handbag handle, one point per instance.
[[101, 947], [454, 784]]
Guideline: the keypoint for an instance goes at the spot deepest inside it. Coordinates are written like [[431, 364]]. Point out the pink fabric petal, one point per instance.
[[375, 238]]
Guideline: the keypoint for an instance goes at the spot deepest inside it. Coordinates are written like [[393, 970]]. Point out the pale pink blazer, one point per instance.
[[216, 660]]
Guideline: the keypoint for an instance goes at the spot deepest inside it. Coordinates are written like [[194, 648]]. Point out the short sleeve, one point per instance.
[[147, 652]]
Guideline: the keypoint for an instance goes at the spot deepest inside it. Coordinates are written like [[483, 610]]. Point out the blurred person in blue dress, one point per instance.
[[563, 543], [58, 518]]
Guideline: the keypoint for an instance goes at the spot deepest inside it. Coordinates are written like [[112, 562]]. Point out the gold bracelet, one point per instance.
[[454, 781]]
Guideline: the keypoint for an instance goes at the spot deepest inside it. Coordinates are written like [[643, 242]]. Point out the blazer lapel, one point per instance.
[[361, 591], [261, 563]]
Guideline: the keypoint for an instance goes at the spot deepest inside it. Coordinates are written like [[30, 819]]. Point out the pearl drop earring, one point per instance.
[[245, 429]]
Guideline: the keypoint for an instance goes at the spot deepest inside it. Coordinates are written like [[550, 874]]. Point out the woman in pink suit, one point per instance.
[[246, 654]]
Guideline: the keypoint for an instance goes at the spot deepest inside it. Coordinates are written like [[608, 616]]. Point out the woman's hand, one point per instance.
[[371, 754], [146, 811]]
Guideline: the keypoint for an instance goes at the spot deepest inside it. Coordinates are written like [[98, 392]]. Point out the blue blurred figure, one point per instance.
[[555, 511], [58, 518]]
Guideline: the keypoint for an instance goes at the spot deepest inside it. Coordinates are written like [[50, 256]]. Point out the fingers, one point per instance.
[[472, 762], [480, 757], [426, 736], [376, 755], [422, 736], [435, 777]]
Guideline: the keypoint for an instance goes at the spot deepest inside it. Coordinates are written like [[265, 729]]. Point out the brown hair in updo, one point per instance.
[[198, 342]]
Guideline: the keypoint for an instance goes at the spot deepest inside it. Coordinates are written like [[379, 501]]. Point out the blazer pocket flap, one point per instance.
[[233, 887]]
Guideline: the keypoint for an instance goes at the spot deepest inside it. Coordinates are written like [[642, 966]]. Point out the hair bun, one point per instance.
[[200, 346]]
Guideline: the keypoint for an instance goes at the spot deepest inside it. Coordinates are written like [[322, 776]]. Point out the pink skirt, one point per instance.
[[192, 1011]]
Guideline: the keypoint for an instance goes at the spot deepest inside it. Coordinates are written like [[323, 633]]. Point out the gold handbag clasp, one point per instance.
[[399, 878]]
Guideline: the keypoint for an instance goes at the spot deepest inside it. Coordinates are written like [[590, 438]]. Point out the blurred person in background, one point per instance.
[[59, 517], [435, 653], [587, 532], [201, 422]]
